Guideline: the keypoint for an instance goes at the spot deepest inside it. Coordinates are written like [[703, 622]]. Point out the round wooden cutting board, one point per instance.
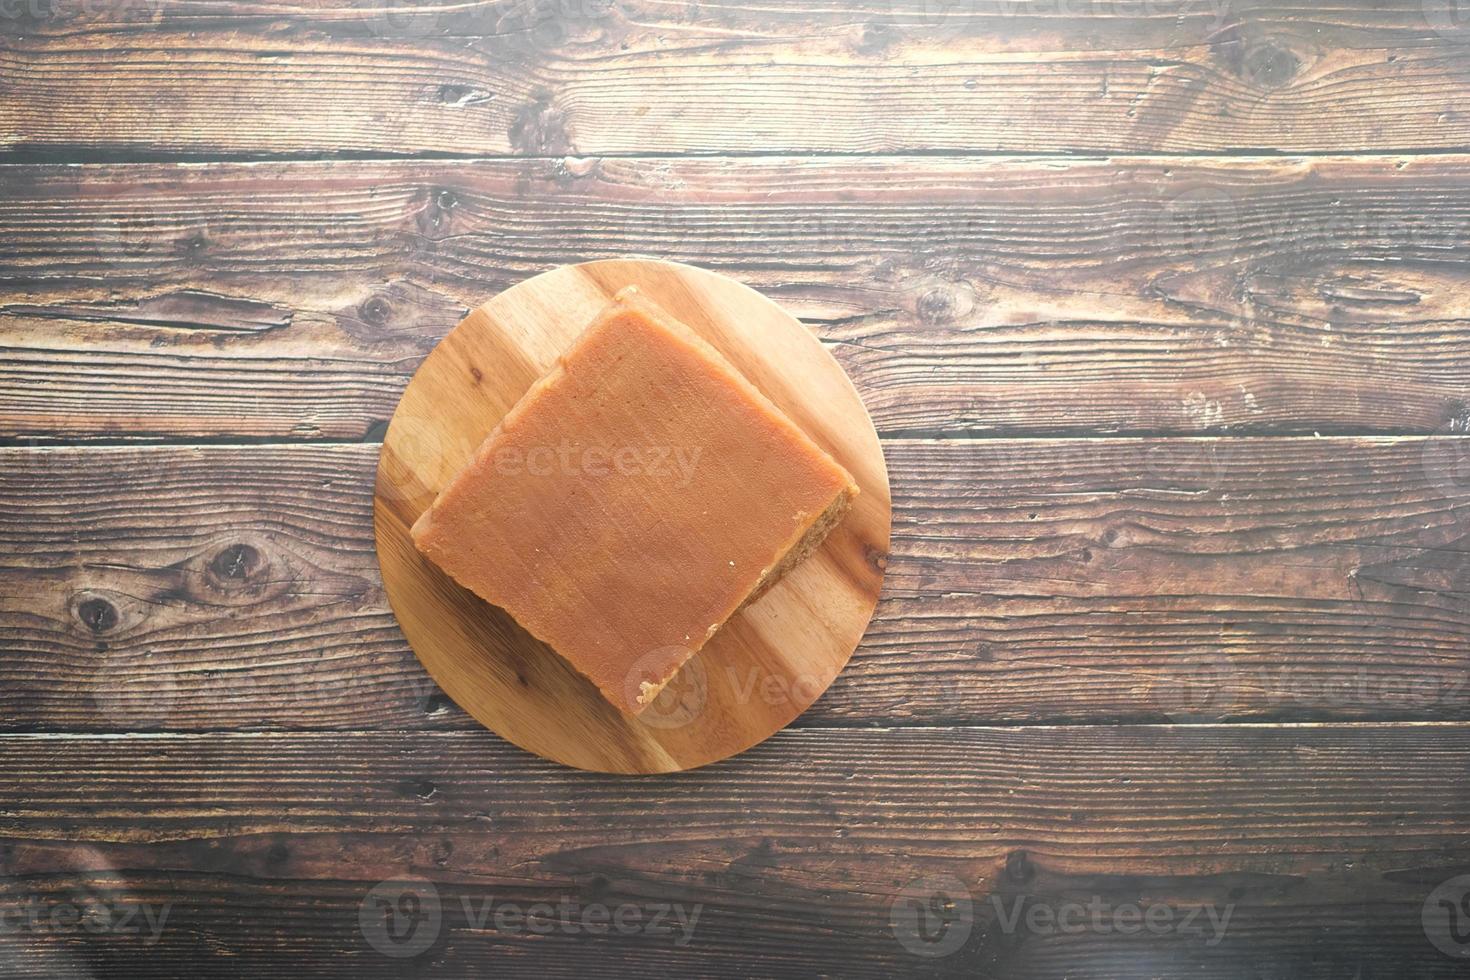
[[765, 666]]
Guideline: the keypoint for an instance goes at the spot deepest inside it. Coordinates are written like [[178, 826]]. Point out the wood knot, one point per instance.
[[235, 565], [446, 200], [421, 788], [878, 36], [1262, 62], [877, 560], [569, 170], [434, 215], [376, 311], [1268, 65], [460, 96], [194, 245], [437, 703], [981, 651], [937, 305], [1019, 868], [539, 127], [1457, 419], [97, 614]]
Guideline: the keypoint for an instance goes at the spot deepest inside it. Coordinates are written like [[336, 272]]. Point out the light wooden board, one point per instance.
[[765, 666]]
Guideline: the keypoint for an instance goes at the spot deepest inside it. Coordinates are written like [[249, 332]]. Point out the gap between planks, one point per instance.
[[1242, 154], [317, 733], [144, 441]]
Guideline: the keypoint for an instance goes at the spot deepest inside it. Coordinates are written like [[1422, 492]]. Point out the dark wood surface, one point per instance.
[[1030, 582], [550, 77], [1160, 306], [1323, 840], [963, 295]]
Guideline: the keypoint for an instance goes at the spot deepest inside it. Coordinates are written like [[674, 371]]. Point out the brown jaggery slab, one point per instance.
[[633, 500]]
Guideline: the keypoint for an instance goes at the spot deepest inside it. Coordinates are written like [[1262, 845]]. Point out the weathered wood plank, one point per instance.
[[963, 296], [220, 588], [637, 76], [1317, 846]]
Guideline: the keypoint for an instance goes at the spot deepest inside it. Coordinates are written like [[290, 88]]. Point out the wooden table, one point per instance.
[[1160, 306]]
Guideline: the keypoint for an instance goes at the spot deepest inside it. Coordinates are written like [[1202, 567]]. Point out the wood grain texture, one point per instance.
[[1322, 841], [547, 77], [962, 296], [1029, 581], [796, 638], [204, 592]]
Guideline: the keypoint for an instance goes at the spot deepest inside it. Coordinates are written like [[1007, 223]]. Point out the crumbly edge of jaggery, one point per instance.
[[808, 543]]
